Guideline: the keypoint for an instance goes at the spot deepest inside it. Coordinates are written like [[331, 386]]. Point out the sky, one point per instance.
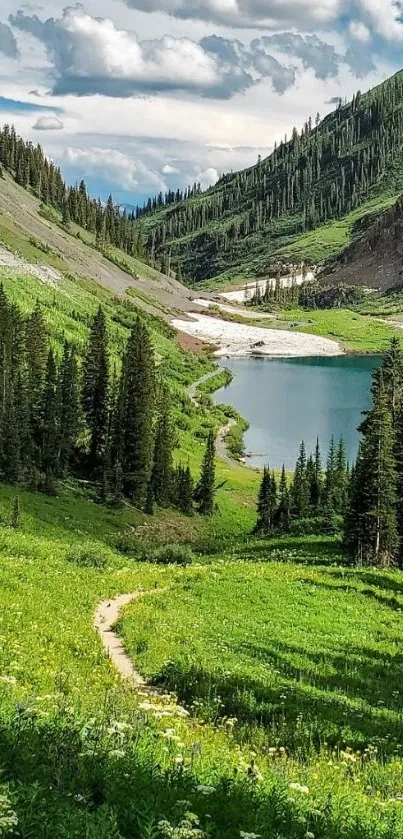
[[138, 96]]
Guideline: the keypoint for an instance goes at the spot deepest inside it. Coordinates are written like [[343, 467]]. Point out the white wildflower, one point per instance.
[[205, 790], [299, 788]]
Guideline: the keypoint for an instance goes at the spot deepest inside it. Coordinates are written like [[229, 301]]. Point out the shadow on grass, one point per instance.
[[351, 697]]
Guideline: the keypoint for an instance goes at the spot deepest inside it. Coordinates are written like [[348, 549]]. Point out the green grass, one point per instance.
[[13, 237], [355, 332], [312, 654], [331, 239], [82, 755]]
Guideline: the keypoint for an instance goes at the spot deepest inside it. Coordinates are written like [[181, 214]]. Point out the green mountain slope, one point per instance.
[[34, 232], [349, 163]]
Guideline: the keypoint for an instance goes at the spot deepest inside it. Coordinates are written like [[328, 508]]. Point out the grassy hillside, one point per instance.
[[35, 233], [302, 202], [83, 755]]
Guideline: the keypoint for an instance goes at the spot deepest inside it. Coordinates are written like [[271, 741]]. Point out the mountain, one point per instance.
[[375, 257], [42, 220], [301, 202]]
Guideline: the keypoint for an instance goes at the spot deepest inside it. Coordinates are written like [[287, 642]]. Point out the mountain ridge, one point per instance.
[[241, 227]]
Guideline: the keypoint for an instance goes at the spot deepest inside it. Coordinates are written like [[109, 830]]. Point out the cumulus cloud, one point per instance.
[[114, 167], [91, 55], [208, 177], [48, 124], [312, 51], [169, 170], [359, 31], [383, 15], [261, 14], [8, 43]]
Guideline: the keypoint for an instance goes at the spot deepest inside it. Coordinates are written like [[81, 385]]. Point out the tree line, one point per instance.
[[368, 498], [67, 414], [308, 295], [32, 170], [314, 492], [318, 174]]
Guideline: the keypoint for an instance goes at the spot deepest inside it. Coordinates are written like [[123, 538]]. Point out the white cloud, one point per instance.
[[51, 123], [265, 14], [114, 167], [208, 177], [169, 170], [385, 16], [359, 31], [92, 56]]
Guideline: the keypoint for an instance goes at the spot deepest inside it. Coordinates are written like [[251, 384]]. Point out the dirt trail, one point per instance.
[[106, 616], [192, 389], [222, 433]]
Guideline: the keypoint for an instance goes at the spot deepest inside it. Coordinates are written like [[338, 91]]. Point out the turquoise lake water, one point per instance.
[[289, 400]]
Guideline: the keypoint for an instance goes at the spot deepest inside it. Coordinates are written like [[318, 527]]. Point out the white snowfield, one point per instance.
[[236, 339], [242, 295]]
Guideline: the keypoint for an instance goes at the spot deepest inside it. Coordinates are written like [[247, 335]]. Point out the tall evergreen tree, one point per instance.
[[49, 425], [68, 406], [161, 478], [135, 413], [371, 519], [95, 389], [300, 488], [205, 490], [283, 514], [393, 376]]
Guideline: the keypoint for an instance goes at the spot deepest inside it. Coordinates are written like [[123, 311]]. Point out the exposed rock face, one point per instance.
[[375, 258]]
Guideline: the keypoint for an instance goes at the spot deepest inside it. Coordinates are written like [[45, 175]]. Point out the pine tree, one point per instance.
[[300, 488], [68, 407], [205, 490], [371, 517], [317, 486], [393, 375], [264, 504], [161, 477], [184, 490], [283, 514], [329, 501], [36, 358], [95, 390], [135, 412], [49, 425], [11, 464], [340, 479]]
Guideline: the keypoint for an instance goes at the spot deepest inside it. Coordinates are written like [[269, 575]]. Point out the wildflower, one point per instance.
[[309, 835], [244, 835], [299, 788], [205, 790]]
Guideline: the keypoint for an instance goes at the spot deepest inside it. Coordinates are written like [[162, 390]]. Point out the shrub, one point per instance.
[[89, 556], [8, 819], [174, 554]]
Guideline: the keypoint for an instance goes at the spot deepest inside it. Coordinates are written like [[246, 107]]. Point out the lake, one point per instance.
[[289, 400]]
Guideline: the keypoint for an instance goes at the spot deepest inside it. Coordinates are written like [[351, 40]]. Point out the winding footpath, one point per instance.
[[105, 618], [222, 433]]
